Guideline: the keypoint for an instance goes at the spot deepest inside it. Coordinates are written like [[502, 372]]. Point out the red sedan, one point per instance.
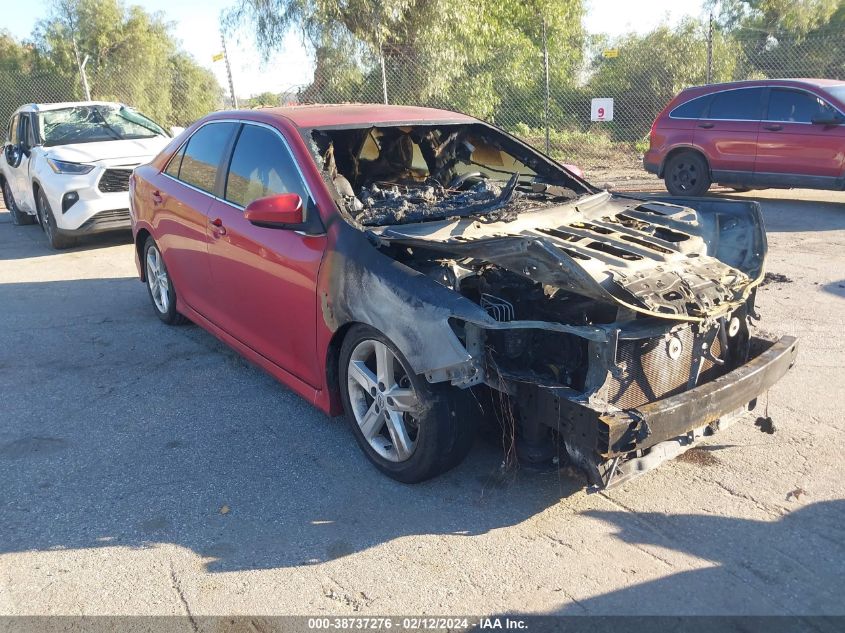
[[420, 270]]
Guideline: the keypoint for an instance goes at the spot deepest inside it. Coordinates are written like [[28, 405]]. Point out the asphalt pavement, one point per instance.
[[147, 469]]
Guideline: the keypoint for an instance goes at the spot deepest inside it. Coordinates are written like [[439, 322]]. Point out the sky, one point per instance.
[[196, 25]]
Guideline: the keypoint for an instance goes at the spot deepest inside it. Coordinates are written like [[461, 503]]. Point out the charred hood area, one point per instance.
[[470, 198]]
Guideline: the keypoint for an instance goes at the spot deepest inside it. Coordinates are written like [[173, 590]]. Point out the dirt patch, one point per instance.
[[698, 457], [775, 278]]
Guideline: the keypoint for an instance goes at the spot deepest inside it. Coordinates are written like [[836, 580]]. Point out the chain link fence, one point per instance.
[[175, 95], [545, 101]]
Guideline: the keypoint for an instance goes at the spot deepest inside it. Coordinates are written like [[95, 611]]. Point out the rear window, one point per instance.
[[740, 105], [692, 109], [203, 153]]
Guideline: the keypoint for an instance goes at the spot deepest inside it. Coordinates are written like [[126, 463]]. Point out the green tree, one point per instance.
[[788, 38], [194, 90], [651, 69], [131, 57], [263, 100], [482, 56], [775, 17], [27, 76]]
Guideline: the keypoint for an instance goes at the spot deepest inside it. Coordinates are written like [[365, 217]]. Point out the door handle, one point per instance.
[[157, 199], [773, 127], [218, 229], [706, 126]]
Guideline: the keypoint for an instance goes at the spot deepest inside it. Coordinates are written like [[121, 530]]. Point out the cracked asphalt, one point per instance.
[[150, 470]]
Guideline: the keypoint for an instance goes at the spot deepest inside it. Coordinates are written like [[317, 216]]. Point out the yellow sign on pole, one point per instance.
[[217, 57], [610, 53]]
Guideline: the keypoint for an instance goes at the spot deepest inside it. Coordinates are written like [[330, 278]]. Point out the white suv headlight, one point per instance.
[[63, 167]]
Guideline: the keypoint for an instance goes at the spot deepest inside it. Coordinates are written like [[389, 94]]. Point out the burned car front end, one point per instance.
[[615, 328]]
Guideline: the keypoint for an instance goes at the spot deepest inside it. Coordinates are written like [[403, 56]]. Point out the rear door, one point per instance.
[[181, 196], [265, 279], [792, 150], [727, 133]]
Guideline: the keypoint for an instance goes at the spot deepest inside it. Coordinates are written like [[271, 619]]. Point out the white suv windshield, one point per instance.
[[92, 123]]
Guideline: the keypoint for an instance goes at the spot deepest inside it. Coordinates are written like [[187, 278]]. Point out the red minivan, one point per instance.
[[751, 134]]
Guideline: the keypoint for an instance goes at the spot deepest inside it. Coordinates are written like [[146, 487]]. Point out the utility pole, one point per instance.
[[81, 65], [710, 49], [229, 71], [548, 95]]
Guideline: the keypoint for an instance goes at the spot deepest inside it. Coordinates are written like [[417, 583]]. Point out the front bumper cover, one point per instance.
[[655, 422], [595, 433]]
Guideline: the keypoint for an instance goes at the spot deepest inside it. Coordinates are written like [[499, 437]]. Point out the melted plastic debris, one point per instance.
[[399, 204]]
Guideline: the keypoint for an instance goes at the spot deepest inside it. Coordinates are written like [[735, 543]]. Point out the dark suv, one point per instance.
[[751, 134]]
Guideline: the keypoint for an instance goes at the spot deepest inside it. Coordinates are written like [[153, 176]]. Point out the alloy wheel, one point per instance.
[[384, 401], [43, 216], [157, 280]]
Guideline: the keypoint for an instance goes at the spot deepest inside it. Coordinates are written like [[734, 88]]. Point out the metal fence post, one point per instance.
[[229, 72], [548, 96], [710, 49], [383, 73]]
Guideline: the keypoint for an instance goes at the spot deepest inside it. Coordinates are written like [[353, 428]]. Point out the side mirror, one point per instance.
[[14, 154], [283, 211], [827, 119]]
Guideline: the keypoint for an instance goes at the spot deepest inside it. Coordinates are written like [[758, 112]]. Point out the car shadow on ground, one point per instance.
[[837, 288], [121, 431], [803, 549], [26, 241]]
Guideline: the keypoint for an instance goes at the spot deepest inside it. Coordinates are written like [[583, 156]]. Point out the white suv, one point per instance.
[[67, 165]]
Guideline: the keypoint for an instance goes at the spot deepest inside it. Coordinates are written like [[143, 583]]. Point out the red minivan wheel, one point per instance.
[[687, 174]]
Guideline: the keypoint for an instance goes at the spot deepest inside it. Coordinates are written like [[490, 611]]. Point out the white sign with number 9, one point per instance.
[[601, 109]]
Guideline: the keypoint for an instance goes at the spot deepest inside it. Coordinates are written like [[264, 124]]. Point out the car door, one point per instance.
[[181, 196], [265, 278], [727, 133], [792, 150]]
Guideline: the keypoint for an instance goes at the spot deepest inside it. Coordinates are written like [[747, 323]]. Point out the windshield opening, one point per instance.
[[94, 123], [417, 173]]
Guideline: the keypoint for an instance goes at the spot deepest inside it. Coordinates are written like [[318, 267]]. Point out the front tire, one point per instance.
[[409, 429], [48, 223], [159, 285], [687, 174], [19, 218]]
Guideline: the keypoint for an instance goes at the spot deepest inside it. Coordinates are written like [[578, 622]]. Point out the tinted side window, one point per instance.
[[175, 163], [737, 104], [261, 166], [203, 153], [24, 132], [692, 109], [13, 130], [796, 106]]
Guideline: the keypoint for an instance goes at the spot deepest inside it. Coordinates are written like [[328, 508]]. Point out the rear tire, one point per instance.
[[19, 217], [159, 285], [408, 428], [687, 174], [48, 224]]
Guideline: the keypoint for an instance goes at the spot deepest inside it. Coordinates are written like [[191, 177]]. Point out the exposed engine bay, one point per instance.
[[585, 310]]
